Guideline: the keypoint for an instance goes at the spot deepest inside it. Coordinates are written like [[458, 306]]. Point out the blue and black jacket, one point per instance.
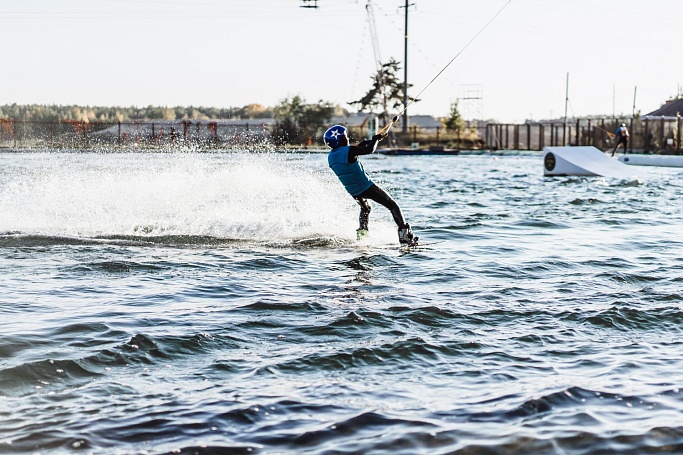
[[343, 161]]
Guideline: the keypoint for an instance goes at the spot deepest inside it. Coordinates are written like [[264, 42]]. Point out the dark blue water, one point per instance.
[[219, 303]]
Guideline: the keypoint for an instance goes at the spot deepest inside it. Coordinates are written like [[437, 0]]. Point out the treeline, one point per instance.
[[55, 113], [298, 122]]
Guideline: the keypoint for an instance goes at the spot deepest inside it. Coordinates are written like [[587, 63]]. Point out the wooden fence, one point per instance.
[[78, 134], [661, 135], [646, 135], [20, 134]]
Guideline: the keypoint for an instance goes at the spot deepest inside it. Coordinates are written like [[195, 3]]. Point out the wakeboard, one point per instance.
[[417, 244]]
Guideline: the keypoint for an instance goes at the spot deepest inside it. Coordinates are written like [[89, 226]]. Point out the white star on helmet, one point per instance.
[[334, 134]]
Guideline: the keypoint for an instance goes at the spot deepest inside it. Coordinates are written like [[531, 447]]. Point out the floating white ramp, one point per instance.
[[587, 161], [653, 160]]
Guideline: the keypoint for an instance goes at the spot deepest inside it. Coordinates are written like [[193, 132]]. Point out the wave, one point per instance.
[[25, 377], [20, 240], [624, 318]]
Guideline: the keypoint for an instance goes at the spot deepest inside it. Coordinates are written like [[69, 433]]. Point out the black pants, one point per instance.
[[380, 196], [621, 140]]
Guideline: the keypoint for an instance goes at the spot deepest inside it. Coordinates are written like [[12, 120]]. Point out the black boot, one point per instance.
[[406, 237]]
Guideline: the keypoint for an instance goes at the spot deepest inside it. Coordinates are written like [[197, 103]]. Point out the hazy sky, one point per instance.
[[227, 53]]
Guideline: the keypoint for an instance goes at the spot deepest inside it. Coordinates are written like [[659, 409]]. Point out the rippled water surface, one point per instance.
[[219, 303]]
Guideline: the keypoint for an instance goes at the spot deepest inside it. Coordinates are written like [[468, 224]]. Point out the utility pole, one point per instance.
[[405, 69], [633, 113], [309, 4], [566, 102]]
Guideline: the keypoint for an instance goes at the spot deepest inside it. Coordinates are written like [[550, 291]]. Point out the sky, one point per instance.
[[230, 53]]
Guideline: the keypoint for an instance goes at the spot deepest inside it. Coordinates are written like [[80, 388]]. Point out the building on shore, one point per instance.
[[670, 110]]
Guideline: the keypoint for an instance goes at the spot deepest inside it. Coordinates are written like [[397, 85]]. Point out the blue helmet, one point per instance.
[[332, 136]]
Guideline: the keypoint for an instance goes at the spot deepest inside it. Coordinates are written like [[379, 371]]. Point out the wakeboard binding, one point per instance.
[[406, 236]]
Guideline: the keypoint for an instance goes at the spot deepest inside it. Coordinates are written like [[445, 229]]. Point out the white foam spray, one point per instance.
[[237, 196]]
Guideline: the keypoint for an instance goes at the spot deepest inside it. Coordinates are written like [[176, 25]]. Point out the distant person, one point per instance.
[[621, 137], [343, 160]]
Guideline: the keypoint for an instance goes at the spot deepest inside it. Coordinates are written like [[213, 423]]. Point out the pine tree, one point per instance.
[[454, 121], [386, 91]]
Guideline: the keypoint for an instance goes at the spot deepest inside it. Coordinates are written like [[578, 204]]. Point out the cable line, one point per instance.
[[412, 100]]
